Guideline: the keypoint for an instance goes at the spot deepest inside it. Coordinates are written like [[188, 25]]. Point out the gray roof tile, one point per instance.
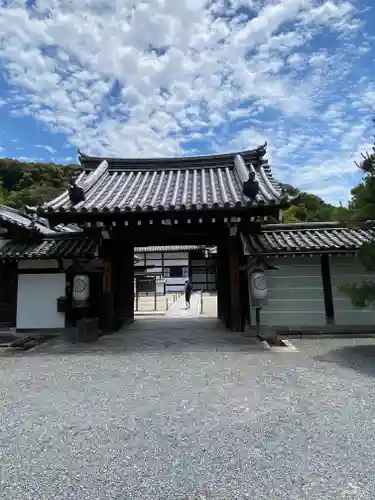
[[49, 249], [112, 184], [279, 239], [13, 217]]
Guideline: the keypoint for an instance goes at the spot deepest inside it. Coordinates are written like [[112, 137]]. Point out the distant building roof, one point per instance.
[[308, 238], [172, 184], [170, 248]]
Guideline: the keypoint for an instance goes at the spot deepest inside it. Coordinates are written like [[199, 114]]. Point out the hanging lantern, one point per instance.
[[81, 290], [258, 285]]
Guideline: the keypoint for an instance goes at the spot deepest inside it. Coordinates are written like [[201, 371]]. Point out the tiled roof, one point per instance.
[[170, 248], [49, 249], [139, 185], [279, 239], [67, 228], [11, 216]]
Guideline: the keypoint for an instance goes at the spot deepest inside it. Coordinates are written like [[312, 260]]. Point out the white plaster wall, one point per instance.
[[174, 284], [153, 262], [153, 255], [176, 256], [36, 300], [295, 294], [160, 287], [345, 270], [176, 262]]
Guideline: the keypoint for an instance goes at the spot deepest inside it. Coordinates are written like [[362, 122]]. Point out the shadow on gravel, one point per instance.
[[359, 357], [158, 337]]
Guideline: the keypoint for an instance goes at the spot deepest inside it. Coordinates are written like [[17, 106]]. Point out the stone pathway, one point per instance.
[[158, 335], [178, 309]]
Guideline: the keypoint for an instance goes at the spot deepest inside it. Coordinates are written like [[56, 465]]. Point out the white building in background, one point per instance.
[[173, 265]]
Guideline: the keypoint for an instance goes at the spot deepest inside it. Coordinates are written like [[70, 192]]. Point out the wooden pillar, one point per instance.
[[107, 310], [107, 313], [219, 283], [123, 278], [223, 282], [327, 288], [235, 316], [244, 292], [128, 283]]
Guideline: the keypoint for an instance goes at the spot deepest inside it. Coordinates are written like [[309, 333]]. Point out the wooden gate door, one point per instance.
[[8, 294]]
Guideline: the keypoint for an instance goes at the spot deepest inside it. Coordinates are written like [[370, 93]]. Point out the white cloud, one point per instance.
[[46, 147], [369, 98], [149, 78]]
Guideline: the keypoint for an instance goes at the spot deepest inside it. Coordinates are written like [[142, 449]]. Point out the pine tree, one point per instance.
[[362, 209]]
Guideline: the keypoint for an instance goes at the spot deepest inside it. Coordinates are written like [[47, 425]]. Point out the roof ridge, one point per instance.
[[259, 151]]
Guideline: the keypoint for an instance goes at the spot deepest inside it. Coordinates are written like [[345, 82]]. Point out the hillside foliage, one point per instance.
[[310, 208], [25, 183]]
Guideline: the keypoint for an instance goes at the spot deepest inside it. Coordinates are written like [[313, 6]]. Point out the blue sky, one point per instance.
[[168, 78]]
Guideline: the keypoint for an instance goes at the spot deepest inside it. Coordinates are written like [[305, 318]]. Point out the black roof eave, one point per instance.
[[250, 210], [76, 235], [291, 253], [47, 257]]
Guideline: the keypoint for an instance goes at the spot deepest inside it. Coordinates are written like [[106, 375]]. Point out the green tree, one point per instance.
[[3, 193], [308, 207], [31, 183], [362, 209]]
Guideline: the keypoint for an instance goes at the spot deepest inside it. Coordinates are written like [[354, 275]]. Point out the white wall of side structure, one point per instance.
[[345, 270], [36, 301], [295, 294]]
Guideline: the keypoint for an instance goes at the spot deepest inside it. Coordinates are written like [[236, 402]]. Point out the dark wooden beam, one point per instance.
[[244, 291], [123, 278], [209, 216], [223, 280], [327, 288], [234, 283]]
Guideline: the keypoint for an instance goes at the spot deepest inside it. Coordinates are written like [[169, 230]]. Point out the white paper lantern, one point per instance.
[[258, 285], [81, 288]]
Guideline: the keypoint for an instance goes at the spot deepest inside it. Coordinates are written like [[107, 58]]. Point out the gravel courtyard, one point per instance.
[[175, 409]]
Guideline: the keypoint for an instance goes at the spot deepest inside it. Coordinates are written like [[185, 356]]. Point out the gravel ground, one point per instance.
[[174, 410]]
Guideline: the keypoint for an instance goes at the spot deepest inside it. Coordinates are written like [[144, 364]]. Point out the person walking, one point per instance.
[[188, 289]]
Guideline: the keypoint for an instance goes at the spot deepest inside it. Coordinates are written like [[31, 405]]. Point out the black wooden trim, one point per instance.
[[206, 214], [327, 288], [53, 270], [235, 314]]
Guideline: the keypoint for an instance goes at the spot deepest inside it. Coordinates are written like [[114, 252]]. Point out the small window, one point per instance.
[[176, 272]]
